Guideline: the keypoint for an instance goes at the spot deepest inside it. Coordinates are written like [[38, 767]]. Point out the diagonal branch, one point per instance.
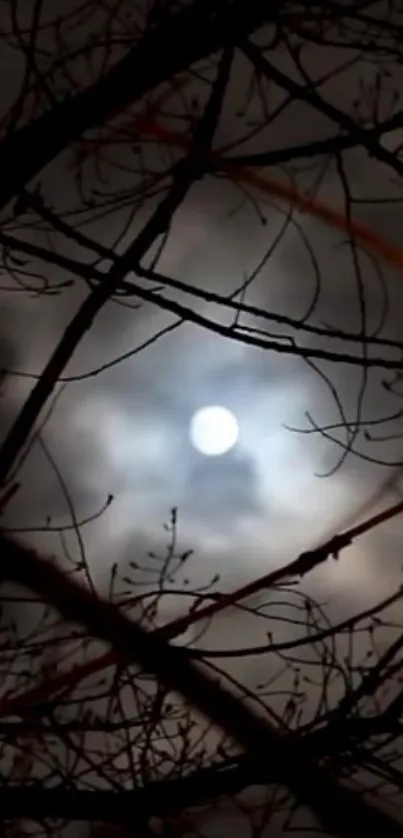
[[340, 810], [193, 33], [89, 273], [303, 564], [308, 94], [185, 173], [331, 145]]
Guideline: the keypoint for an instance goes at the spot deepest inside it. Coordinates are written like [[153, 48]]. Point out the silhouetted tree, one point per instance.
[[120, 109]]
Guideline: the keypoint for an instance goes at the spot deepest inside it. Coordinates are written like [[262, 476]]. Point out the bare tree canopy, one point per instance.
[[201, 305]]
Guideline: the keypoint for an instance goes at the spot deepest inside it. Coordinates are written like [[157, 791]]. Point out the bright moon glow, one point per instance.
[[213, 430]]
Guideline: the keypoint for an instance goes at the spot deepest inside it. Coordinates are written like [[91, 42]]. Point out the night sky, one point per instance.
[[124, 431]]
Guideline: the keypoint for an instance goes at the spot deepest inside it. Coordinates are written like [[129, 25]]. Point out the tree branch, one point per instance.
[[340, 810], [331, 145], [184, 174], [193, 33], [308, 94]]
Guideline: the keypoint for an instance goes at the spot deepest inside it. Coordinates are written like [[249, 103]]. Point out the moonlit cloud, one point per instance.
[[125, 431]]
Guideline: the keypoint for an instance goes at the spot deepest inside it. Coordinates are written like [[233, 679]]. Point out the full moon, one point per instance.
[[213, 430]]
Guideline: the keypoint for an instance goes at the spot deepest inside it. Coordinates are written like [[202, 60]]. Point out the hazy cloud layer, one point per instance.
[[125, 431]]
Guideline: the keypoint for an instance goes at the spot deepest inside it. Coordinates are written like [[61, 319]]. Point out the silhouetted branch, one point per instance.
[[196, 31], [185, 173], [339, 809]]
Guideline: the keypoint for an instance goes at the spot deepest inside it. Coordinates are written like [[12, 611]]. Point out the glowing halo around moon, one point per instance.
[[213, 430]]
